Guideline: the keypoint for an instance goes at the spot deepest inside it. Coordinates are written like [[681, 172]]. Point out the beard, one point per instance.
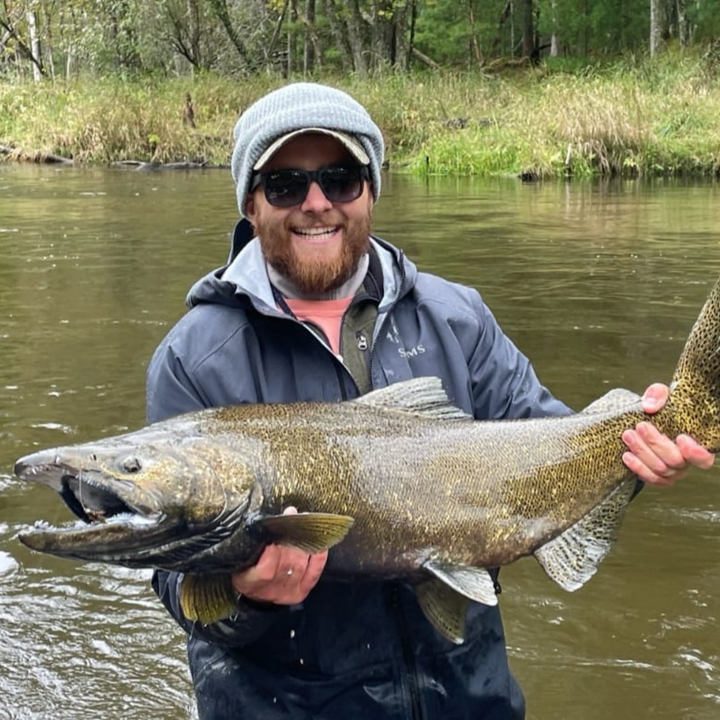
[[314, 275]]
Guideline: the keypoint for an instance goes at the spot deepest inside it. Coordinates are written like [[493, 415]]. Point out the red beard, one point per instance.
[[313, 276]]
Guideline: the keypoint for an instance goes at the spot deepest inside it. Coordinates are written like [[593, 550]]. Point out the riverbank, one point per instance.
[[629, 118]]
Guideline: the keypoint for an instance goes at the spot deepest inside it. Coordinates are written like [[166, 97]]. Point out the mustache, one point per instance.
[[310, 223]]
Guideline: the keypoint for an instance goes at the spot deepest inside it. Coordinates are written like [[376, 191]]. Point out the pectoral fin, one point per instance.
[[444, 608], [572, 557], [207, 598], [474, 583], [311, 532]]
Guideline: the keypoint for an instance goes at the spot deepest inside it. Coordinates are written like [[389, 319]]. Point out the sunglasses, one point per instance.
[[287, 187]]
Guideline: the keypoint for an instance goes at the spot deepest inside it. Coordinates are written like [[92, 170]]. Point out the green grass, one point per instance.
[[631, 117]]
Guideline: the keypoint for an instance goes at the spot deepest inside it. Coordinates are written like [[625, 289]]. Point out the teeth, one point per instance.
[[316, 232]]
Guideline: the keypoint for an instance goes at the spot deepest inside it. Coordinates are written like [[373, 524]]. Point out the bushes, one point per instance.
[[631, 117]]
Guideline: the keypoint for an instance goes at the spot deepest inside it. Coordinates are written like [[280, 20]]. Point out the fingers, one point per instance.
[[657, 460], [695, 454], [315, 567], [282, 575]]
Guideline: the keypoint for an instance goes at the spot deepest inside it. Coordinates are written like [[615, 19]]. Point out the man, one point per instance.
[[315, 309]]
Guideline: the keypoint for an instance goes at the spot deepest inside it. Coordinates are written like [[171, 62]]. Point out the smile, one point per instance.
[[317, 233]]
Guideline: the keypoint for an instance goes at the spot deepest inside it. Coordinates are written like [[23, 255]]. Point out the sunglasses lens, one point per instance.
[[341, 184], [285, 188]]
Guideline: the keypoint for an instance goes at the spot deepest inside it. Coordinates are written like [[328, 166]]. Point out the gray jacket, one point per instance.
[[350, 650]]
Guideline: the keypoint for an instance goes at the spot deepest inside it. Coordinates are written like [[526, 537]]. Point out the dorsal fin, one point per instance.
[[423, 396]]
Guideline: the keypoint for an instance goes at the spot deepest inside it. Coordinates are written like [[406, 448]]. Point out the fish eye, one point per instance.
[[130, 464]]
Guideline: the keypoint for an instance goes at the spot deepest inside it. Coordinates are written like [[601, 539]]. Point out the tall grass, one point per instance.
[[633, 117]]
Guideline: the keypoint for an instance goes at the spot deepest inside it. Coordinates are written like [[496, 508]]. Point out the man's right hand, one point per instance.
[[282, 575]]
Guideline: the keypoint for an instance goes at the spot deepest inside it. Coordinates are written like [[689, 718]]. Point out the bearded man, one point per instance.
[[312, 307]]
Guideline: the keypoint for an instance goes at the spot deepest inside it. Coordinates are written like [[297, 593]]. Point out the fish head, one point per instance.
[[154, 498]]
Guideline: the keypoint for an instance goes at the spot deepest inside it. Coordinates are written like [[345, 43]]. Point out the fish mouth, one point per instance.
[[110, 526]]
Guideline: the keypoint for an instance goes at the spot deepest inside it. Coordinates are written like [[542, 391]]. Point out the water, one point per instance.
[[597, 283]]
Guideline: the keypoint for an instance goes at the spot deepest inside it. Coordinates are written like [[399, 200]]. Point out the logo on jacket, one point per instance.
[[412, 352]]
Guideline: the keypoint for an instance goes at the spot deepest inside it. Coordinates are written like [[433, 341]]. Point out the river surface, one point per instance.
[[598, 283]]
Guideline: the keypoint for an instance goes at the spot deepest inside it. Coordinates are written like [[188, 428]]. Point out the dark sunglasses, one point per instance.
[[287, 187]]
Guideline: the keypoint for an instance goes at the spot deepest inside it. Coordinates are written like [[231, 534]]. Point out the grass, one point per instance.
[[631, 117]]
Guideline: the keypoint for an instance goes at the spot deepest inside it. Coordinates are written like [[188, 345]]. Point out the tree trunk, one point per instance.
[[338, 35], [276, 34], [380, 30], [683, 25], [355, 37], [497, 43], [473, 36], [311, 51], [290, 66], [528, 41], [193, 11], [220, 9], [34, 43], [22, 48], [400, 36], [312, 54], [655, 26], [511, 5], [49, 49]]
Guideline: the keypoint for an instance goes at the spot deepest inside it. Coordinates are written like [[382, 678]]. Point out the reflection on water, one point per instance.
[[598, 284]]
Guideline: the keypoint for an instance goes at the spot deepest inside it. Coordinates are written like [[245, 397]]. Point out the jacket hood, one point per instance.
[[244, 279]]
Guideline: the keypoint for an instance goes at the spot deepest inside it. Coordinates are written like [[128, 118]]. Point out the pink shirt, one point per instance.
[[326, 314]]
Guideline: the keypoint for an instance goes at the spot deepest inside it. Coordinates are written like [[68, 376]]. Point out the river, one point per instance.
[[599, 283]]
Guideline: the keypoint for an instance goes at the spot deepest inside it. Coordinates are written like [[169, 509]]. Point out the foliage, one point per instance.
[[77, 38], [629, 117]]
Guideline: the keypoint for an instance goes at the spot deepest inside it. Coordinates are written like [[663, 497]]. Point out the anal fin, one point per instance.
[[571, 558], [444, 608], [445, 597]]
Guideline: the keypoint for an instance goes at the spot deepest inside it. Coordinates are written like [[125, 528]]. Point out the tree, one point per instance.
[[656, 25], [19, 26]]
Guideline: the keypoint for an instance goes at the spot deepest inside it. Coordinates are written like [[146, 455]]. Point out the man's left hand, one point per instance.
[[654, 457]]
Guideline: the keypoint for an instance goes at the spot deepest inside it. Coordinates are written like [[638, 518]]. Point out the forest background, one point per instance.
[[531, 87]]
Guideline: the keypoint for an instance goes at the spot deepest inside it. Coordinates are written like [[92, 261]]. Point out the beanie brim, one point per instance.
[[348, 141]]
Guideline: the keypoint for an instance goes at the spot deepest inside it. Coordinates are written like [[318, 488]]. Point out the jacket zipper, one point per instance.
[[339, 363], [407, 654]]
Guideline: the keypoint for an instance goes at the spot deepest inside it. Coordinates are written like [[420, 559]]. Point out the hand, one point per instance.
[[653, 457], [282, 575]]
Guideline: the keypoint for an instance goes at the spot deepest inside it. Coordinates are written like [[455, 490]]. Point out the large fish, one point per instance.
[[399, 482]]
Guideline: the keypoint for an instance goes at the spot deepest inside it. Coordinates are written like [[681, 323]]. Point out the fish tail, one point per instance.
[[694, 404]]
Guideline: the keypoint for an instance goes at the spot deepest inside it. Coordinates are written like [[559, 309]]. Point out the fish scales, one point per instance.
[[399, 484], [426, 475]]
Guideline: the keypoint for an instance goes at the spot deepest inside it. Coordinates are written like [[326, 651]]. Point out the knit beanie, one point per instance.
[[299, 108]]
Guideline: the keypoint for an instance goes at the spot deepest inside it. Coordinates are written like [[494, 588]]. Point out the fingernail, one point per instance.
[[650, 403]]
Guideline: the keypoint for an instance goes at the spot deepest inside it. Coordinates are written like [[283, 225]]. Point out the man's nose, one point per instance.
[[315, 200]]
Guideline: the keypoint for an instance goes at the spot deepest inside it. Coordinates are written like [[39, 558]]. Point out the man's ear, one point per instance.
[[250, 208], [371, 196]]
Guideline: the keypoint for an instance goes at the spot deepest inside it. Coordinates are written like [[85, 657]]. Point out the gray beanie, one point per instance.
[[305, 107]]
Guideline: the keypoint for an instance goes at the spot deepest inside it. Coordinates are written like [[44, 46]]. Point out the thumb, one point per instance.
[[655, 397]]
